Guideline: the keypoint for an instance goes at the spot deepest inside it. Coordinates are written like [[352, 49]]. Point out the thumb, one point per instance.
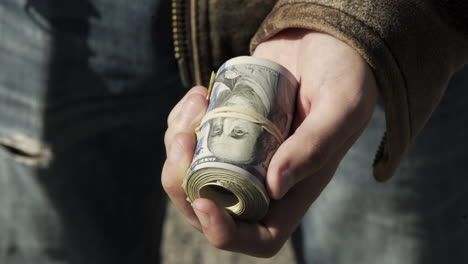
[[302, 154], [316, 140]]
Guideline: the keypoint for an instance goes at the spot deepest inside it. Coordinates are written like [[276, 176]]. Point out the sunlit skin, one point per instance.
[[336, 98]]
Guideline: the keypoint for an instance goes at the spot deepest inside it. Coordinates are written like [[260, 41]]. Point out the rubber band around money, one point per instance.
[[246, 115]]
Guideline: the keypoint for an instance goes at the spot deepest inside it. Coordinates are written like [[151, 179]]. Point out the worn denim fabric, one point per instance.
[[85, 88], [419, 216]]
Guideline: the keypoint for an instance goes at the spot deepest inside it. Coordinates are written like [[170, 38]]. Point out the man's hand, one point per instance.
[[336, 97]]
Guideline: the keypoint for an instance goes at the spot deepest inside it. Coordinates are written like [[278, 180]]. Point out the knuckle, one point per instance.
[[166, 184], [199, 90], [196, 99], [194, 96], [171, 187], [174, 112], [170, 184], [180, 137], [190, 113], [168, 135]]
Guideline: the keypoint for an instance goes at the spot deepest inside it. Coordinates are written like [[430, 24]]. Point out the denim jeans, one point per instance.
[[418, 216], [85, 88]]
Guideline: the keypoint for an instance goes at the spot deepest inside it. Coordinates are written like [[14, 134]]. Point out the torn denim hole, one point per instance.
[[26, 150]]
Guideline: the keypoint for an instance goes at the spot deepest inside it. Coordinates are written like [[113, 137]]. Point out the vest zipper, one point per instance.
[[181, 38]]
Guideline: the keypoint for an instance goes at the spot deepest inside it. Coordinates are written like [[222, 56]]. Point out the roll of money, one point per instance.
[[251, 104]]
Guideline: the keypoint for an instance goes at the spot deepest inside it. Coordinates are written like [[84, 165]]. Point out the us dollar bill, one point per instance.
[[250, 111]]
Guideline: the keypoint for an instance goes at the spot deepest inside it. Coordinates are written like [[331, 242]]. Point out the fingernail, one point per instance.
[[202, 217], [287, 180]]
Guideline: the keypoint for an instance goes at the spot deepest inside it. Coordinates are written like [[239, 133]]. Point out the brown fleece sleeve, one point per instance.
[[413, 47]]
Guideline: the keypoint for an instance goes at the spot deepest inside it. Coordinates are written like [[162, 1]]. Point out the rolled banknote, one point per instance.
[[251, 103]]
